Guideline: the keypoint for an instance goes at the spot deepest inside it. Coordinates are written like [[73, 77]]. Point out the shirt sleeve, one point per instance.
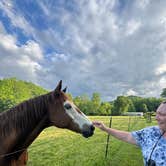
[[139, 137], [146, 136]]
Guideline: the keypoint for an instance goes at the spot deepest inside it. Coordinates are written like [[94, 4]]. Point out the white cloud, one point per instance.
[[19, 61], [162, 82], [16, 19], [131, 92], [33, 50], [106, 46], [161, 69], [132, 27], [143, 3], [8, 42]]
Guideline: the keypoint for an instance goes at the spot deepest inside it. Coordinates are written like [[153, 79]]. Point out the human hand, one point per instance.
[[99, 125]]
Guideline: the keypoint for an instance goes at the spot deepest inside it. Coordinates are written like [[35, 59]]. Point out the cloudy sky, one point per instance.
[[113, 47]]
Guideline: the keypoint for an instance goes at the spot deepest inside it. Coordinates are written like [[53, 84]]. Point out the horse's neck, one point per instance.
[[22, 137], [30, 132], [36, 131], [21, 148]]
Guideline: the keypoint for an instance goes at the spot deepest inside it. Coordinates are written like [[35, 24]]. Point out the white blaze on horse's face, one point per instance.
[[79, 118]]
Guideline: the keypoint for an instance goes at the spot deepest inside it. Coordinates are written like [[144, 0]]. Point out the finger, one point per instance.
[[96, 123]]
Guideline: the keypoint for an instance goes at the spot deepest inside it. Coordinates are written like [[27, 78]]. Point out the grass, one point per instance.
[[60, 147]]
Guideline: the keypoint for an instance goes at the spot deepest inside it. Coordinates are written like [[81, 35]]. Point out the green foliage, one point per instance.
[[92, 106], [163, 93], [13, 91], [96, 102], [144, 108], [151, 103], [105, 108], [135, 104], [131, 107], [70, 96], [85, 104], [5, 104], [121, 105]]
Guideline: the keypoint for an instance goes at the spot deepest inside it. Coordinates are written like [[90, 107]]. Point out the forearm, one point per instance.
[[121, 135]]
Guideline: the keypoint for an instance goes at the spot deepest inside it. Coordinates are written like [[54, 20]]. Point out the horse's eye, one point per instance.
[[67, 106]]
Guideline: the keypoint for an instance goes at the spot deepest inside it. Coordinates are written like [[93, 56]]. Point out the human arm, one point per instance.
[[121, 135]]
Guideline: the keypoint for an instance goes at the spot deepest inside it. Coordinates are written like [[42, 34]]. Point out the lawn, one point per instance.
[[60, 147]]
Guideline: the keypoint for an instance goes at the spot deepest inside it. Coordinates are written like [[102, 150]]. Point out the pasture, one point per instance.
[[60, 147]]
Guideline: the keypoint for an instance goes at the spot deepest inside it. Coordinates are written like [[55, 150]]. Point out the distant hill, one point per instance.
[[13, 91]]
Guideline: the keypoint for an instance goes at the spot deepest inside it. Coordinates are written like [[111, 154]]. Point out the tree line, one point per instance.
[[119, 106], [13, 91]]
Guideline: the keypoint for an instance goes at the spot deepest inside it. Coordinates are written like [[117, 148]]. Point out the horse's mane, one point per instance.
[[23, 114]]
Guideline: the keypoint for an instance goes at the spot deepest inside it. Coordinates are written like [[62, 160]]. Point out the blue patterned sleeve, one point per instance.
[[139, 136], [145, 135]]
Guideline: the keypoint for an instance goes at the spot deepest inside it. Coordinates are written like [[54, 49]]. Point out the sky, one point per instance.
[[113, 47]]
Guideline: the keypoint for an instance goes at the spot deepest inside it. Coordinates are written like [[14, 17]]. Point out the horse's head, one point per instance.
[[64, 114]]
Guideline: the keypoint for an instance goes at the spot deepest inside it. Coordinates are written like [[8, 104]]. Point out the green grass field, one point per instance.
[[59, 147]]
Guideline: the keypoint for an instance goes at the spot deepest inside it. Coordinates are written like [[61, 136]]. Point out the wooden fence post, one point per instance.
[[108, 138]]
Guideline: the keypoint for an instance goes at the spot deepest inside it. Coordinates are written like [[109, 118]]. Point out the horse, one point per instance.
[[20, 125]]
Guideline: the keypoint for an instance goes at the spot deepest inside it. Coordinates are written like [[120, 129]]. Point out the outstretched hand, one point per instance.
[[99, 125]]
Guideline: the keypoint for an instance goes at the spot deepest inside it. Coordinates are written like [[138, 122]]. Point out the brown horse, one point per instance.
[[20, 125]]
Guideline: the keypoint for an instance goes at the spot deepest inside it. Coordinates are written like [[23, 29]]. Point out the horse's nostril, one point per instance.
[[92, 128]]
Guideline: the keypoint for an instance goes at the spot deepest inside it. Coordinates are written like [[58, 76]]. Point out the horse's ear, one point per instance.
[[59, 86], [64, 90]]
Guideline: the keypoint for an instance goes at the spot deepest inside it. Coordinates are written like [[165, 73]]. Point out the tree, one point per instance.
[[105, 108], [163, 93], [96, 101], [6, 104], [121, 105], [14, 91], [84, 103], [131, 107], [144, 108]]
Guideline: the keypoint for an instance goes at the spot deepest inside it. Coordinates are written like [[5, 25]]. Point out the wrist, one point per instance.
[[107, 129], [104, 128]]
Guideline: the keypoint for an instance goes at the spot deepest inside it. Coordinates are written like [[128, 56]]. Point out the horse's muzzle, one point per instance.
[[88, 132]]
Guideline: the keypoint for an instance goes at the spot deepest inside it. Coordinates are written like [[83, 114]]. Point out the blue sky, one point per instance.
[[114, 47]]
